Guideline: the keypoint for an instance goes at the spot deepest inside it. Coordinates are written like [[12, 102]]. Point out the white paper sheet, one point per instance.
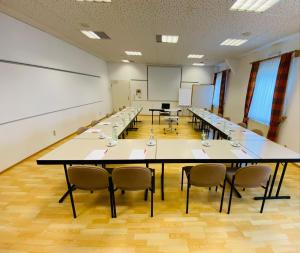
[[200, 154], [104, 123], [137, 154], [93, 130], [96, 154], [240, 154]]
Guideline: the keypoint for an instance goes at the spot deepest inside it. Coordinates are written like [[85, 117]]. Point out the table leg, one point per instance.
[[152, 117], [68, 182], [162, 181]]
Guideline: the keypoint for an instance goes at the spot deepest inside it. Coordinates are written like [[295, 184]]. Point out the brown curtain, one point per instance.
[[224, 79], [250, 90], [214, 84], [279, 94]]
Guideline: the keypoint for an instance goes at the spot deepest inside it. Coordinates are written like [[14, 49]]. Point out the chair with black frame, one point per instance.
[[253, 176], [164, 113], [205, 175], [91, 178], [133, 179]]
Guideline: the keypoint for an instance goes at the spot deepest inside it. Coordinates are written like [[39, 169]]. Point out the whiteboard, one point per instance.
[[202, 95], [28, 91], [185, 96], [163, 83]]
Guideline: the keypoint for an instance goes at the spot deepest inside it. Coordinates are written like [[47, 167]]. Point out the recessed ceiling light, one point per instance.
[[253, 5], [195, 56], [233, 42], [96, 1], [126, 61], [198, 64], [95, 35], [167, 38], [133, 53], [91, 35]]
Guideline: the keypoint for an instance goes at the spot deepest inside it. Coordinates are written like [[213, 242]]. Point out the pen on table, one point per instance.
[[244, 151], [105, 151], [203, 151], [145, 151]]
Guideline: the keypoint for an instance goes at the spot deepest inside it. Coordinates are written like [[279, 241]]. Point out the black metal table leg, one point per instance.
[[277, 196], [152, 117], [162, 181], [68, 183]]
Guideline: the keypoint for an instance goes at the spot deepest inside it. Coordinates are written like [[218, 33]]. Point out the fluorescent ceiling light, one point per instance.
[[91, 34], [126, 61], [198, 64], [133, 53], [169, 38], [233, 42], [253, 5], [195, 56]]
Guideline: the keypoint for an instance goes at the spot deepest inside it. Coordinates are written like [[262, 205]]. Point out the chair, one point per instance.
[[134, 179], [227, 118], [171, 120], [124, 107], [80, 130], [205, 175], [94, 123], [242, 124], [164, 113], [253, 176], [86, 177], [258, 131]]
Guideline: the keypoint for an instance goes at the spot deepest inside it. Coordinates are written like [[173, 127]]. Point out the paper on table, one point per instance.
[[241, 154], [199, 154], [93, 130], [137, 154], [104, 123], [96, 154]]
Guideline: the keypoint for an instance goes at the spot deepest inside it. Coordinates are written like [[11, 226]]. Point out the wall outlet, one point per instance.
[[54, 132]]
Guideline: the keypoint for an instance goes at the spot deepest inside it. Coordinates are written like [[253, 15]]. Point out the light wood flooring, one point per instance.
[[32, 220]]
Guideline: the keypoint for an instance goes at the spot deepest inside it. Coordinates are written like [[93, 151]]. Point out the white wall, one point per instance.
[[129, 71], [29, 91], [234, 105]]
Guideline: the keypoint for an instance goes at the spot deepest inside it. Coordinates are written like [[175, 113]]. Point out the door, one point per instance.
[[120, 94]]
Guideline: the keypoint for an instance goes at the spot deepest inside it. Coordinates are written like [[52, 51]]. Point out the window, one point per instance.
[[261, 105], [217, 90]]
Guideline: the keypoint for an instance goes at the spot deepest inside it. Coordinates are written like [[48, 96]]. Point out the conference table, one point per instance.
[[87, 148]]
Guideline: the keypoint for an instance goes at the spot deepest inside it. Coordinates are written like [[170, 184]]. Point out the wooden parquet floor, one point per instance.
[[32, 220]]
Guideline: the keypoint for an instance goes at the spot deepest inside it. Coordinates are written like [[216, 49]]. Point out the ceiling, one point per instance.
[[133, 24]]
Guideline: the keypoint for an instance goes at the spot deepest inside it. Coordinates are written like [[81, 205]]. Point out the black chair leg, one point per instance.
[[222, 198], [151, 202], [265, 195], [216, 188], [123, 192], [230, 197], [146, 195], [187, 196], [72, 203], [182, 172]]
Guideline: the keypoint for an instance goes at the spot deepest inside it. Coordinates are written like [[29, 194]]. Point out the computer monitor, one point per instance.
[[165, 106]]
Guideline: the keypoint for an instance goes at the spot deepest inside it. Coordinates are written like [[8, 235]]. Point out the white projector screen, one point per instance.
[[163, 83]]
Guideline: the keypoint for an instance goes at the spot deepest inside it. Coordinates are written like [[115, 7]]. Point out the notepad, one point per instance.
[[96, 154], [137, 154], [241, 154], [200, 154]]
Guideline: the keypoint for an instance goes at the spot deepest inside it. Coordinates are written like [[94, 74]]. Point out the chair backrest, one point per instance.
[[227, 118], [80, 130], [252, 176], [165, 106], [94, 122], [132, 178], [207, 175], [258, 131], [88, 177], [242, 124]]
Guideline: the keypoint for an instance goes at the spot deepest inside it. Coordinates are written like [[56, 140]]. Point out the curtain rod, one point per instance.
[[297, 54], [222, 71]]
